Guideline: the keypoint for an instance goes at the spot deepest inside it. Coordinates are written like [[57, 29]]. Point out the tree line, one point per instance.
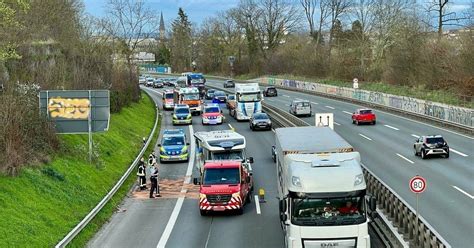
[[398, 42]]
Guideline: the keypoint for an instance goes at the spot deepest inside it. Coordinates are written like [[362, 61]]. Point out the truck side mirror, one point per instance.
[[282, 206], [159, 145], [283, 217], [187, 143], [372, 204], [196, 181], [250, 160], [247, 179]]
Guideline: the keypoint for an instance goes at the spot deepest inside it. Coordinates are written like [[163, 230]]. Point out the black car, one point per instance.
[[219, 97], [431, 145], [229, 84], [210, 94], [270, 91], [158, 83], [260, 121]]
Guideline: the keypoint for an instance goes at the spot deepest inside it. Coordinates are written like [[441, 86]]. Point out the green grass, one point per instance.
[[441, 96], [41, 205]]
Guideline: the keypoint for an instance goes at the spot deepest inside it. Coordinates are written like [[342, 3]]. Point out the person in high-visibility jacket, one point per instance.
[[141, 173]]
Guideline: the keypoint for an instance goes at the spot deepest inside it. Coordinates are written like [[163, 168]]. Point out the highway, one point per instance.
[[387, 150]]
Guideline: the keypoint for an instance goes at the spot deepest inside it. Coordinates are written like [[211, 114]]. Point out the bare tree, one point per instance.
[[336, 8], [309, 7], [129, 21], [444, 16]]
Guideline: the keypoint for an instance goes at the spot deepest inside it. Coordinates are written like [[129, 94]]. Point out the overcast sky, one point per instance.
[[198, 10]]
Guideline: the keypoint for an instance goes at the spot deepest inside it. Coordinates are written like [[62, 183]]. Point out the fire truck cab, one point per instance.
[[226, 178]]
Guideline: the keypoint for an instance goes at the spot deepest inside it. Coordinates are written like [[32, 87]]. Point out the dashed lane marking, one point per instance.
[[329, 107], [458, 152], [394, 128], [464, 192], [406, 159], [365, 137], [347, 112], [257, 205]]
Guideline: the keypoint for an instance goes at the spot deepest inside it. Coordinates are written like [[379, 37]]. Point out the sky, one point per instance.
[[198, 10]]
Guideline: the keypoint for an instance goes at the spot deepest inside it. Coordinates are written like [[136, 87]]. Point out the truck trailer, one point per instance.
[[322, 190]]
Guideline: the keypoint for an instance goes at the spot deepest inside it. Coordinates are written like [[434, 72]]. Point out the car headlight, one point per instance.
[[184, 149], [269, 122], [201, 195], [175, 117], [237, 195], [358, 179], [189, 116]]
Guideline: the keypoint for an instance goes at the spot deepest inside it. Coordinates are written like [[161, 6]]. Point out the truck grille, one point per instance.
[[218, 198], [193, 105]]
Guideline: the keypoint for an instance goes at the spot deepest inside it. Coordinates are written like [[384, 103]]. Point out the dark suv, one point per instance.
[[431, 145], [270, 91]]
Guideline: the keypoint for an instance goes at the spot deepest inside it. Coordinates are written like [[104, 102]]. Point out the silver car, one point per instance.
[[300, 108]]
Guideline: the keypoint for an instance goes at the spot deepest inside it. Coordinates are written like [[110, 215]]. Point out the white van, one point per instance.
[[300, 107]]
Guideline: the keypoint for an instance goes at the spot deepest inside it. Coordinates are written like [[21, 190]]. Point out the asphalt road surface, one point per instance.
[[387, 150]]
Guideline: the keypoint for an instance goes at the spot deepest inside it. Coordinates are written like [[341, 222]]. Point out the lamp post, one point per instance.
[[231, 62]]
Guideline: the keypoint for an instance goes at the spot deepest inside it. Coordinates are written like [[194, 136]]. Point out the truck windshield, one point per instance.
[[169, 95], [227, 155], [221, 176], [190, 97], [249, 97], [328, 211]]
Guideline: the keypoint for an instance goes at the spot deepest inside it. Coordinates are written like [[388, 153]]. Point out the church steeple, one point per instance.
[[162, 27]]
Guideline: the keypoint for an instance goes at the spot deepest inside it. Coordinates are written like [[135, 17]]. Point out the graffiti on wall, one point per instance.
[[463, 116], [69, 108]]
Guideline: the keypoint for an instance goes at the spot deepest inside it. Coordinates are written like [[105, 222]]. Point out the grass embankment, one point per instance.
[[420, 92], [41, 205]]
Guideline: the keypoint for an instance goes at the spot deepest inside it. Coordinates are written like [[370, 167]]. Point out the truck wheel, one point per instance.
[[203, 212]]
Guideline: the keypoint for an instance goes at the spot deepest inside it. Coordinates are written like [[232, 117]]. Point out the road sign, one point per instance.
[[417, 184], [324, 120], [355, 83]]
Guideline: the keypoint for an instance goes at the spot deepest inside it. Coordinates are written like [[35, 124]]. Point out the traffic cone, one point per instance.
[[261, 195]]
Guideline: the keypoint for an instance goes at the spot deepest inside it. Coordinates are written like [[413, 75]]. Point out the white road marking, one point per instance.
[[179, 203], [315, 103], [401, 156], [337, 123], [230, 126], [257, 205], [394, 128], [347, 112], [329, 107], [365, 136], [464, 192], [273, 130], [286, 96], [416, 136], [458, 152]]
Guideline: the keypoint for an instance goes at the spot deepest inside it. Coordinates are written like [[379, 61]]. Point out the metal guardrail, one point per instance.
[[420, 234], [78, 228], [463, 128]]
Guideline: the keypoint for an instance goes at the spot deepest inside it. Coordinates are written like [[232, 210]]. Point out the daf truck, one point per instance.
[[322, 190]]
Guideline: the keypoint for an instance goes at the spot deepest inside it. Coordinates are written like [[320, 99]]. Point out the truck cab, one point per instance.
[[190, 97], [168, 100], [225, 185], [248, 99], [322, 190]]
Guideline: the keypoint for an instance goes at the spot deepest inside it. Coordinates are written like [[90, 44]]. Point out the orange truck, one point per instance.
[[225, 185], [190, 97]]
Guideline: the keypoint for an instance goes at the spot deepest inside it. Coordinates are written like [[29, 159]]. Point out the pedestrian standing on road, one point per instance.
[[141, 174], [154, 181]]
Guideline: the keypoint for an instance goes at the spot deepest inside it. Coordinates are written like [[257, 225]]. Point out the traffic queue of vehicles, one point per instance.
[[321, 186]]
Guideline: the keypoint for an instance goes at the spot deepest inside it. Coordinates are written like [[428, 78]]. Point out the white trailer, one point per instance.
[[248, 100], [221, 145], [321, 188]]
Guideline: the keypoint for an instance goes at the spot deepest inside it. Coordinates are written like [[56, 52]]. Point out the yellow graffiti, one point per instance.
[[69, 108]]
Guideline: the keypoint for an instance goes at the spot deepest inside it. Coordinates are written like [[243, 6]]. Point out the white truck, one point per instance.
[[221, 145], [322, 190], [248, 101]]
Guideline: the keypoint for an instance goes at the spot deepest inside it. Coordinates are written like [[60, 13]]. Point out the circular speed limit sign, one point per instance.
[[417, 184]]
